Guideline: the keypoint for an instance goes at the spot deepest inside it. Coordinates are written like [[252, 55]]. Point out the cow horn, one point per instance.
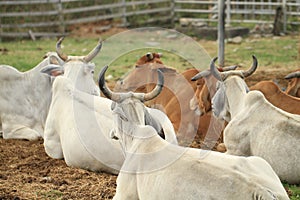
[[229, 68], [106, 91], [59, 52], [215, 72], [200, 75], [252, 69], [94, 52], [149, 56], [158, 88], [293, 75]]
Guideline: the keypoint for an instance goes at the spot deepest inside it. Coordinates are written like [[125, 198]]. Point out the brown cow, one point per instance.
[[201, 101], [277, 97], [293, 87], [174, 98]]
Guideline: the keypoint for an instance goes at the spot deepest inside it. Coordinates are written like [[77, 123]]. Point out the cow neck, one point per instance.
[[236, 90]]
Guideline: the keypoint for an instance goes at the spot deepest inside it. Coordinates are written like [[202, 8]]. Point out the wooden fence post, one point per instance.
[[221, 32]]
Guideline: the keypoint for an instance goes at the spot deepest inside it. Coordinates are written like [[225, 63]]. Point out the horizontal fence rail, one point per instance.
[[42, 18], [52, 17], [243, 11]]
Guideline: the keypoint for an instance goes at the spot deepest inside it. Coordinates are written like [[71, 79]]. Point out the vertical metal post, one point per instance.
[[284, 15], [0, 30], [221, 32], [124, 19], [172, 13], [228, 10], [61, 17]]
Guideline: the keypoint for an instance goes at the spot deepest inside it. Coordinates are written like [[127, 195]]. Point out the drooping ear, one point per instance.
[[53, 70], [149, 120], [54, 60]]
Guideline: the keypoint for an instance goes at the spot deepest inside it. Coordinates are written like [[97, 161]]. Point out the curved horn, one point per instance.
[[293, 75], [252, 69], [149, 56], [94, 52], [215, 72], [158, 88], [59, 52], [200, 75], [106, 91], [229, 68]]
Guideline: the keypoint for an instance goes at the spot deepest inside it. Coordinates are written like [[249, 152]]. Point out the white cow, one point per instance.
[[156, 169], [79, 124], [256, 127], [25, 99]]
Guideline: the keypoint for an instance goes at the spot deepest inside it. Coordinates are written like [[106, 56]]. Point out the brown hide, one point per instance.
[[293, 87], [277, 97], [173, 100]]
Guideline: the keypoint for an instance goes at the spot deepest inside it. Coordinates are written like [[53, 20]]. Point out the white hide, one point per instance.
[[78, 129], [24, 100], [258, 128], [155, 169]]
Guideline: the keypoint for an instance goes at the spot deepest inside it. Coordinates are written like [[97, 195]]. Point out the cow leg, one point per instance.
[[10, 131]]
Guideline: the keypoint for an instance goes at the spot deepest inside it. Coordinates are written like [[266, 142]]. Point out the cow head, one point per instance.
[[293, 87], [144, 73], [220, 106], [206, 84], [77, 68], [149, 58], [129, 108]]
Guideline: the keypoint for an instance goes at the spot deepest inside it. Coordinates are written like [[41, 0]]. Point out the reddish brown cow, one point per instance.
[[277, 97], [173, 100], [201, 101], [293, 87]]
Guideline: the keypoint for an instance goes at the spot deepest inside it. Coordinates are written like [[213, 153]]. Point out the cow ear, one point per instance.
[[53, 70], [54, 60]]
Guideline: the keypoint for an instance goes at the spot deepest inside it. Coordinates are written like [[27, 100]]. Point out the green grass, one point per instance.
[[282, 52], [295, 191]]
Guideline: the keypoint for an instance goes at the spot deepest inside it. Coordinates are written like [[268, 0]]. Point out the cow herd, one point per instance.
[[137, 130]]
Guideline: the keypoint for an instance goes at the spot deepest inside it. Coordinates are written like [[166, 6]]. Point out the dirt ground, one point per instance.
[[26, 172]]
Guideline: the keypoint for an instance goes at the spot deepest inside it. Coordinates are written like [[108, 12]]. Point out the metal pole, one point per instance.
[[284, 15], [61, 17], [228, 10], [221, 32], [124, 19], [172, 13]]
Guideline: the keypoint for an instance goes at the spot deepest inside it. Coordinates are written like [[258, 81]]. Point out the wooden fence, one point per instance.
[[38, 18], [240, 11]]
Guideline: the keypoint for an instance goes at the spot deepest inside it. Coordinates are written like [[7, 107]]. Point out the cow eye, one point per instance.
[[93, 72]]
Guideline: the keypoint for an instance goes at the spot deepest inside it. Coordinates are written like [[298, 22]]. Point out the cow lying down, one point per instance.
[[156, 169], [79, 123], [256, 127], [25, 99]]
